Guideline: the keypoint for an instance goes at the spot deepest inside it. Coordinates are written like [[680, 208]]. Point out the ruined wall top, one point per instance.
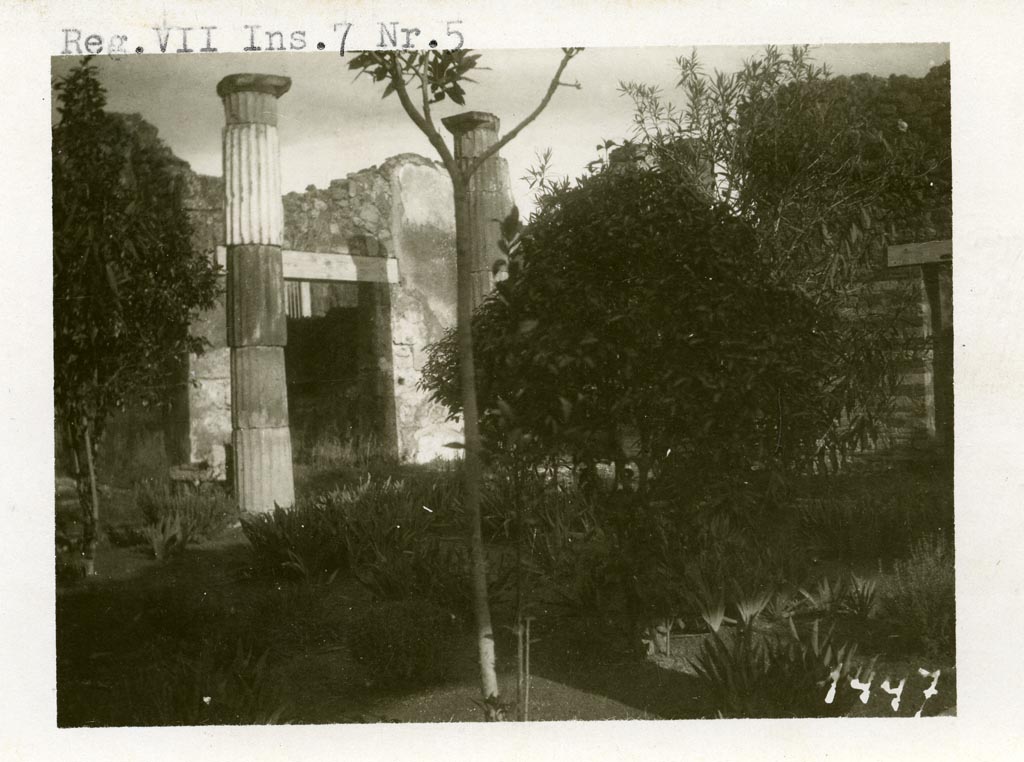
[[364, 205]]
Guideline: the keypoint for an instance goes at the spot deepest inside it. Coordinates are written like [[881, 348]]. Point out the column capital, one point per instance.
[[252, 98], [269, 84], [467, 121]]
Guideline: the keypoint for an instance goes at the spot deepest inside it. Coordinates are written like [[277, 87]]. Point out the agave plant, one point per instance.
[[749, 607], [777, 676], [169, 536], [710, 603], [861, 599], [782, 606], [827, 596]]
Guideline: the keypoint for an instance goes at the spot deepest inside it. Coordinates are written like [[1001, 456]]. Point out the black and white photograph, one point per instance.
[[403, 380]]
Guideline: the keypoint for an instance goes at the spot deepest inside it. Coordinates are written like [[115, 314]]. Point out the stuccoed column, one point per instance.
[[256, 321], [490, 195]]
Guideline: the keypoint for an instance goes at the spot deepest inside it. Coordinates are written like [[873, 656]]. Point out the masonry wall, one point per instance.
[[353, 366], [921, 425], [204, 410], [401, 209]]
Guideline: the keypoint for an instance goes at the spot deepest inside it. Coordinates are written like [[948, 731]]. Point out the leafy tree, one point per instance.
[[437, 76], [635, 304], [827, 172], [126, 281]]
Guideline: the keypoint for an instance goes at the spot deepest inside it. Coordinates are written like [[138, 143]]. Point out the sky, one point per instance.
[[332, 124]]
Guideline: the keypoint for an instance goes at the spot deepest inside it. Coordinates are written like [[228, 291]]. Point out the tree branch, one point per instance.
[[425, 125], [568, 55], [425, 90]]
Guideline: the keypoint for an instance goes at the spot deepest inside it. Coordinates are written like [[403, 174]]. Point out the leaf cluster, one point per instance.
[[826, 170], [634, 303], [126, 280], [441, 74]]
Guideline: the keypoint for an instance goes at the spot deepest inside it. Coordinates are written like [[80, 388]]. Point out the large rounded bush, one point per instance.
[[635, 304]]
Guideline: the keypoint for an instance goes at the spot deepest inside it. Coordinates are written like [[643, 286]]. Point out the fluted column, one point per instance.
[[256, 322], [490, 195]]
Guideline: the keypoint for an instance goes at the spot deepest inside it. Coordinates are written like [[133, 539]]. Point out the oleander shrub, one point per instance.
[[406, 641]]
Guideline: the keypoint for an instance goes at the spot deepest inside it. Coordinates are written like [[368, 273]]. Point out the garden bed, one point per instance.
[[270, 637]]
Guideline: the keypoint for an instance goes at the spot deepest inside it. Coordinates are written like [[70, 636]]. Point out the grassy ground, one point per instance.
[[204, 638], [115, 633]]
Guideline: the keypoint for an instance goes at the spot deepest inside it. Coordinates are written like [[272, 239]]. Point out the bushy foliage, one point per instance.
[[635, 304], [619, 558], [207, 513], [394, 536], [919, 599], [827, 170], [406, 641], [878, 515], [168, 536], [126, 281], [214, 687], [748, 674]]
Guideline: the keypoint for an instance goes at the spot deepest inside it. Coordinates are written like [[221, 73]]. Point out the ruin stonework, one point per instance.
[[921, 422], [402, 209]]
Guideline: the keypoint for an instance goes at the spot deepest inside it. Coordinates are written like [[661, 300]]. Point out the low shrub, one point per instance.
[[406, 641], [862, 600], [919, 598], [384, 530], [297, 617], [126, 535], [213, 687], [329, 449], [874, 521], [826, 597], [430, 570], [206, 514], [749, 674], [305, 542], [169, 536]]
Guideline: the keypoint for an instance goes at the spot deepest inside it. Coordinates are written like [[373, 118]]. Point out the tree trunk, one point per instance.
[[90, 503], [473, 472]]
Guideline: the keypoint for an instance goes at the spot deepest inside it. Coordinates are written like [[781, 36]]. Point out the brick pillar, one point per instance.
[[256, 323], [490, 195]]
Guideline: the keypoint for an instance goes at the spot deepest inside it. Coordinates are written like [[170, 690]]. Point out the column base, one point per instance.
[[263, 476]]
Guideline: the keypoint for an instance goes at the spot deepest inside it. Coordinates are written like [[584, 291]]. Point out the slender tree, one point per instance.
[[436, 76], [126, 281]]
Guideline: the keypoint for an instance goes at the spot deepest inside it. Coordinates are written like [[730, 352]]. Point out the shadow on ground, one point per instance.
[[148, 643]]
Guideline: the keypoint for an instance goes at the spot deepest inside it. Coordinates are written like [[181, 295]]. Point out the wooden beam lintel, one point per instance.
[[331, 266]]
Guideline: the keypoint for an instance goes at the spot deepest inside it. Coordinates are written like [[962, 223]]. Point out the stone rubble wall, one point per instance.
[[401, 209], [921, 423]]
